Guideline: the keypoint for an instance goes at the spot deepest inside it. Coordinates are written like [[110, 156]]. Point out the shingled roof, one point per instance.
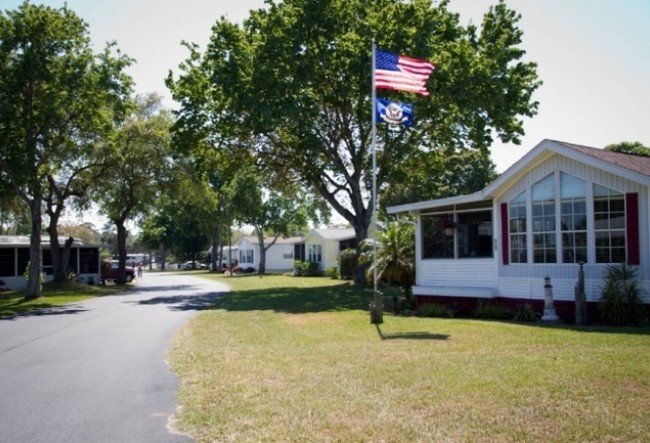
[[632, 162]]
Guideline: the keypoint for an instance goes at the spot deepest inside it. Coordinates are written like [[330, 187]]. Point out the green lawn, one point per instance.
[[14, 303], [296, 359]]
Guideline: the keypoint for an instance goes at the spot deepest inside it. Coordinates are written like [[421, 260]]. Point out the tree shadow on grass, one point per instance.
[[180, 302], [38, 310], [344, 297]]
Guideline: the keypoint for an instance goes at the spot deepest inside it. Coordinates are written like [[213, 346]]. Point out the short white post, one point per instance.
[[549, 308]]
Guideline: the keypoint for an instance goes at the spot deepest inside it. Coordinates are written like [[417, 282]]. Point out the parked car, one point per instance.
[[109, 272], [192, 265]]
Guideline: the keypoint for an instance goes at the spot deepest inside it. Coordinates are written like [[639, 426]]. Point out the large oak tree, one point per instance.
[[58, 101], [293, 85]]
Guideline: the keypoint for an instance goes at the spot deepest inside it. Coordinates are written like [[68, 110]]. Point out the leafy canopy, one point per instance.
[[292, 84]]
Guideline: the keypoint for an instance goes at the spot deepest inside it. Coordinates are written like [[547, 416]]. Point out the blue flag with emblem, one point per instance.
[[393, 113]]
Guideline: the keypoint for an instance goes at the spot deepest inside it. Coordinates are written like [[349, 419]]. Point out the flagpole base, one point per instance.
[[377, 310]]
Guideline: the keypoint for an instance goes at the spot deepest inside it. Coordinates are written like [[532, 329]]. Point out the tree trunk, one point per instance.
[[121, 252], [34, 289], [60, 257], [59, 264], [361, 233], [216, 240], [260, 240], [65, 257]]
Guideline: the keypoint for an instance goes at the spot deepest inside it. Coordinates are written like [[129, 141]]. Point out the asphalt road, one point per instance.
[[95, 371]]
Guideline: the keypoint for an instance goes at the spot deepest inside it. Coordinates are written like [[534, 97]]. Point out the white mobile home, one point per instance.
[[557, 207], [323, 246], [14, 259], [279, 256]]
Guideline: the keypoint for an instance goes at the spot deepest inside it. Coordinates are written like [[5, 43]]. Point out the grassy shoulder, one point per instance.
[[296, 359], [54, 294]]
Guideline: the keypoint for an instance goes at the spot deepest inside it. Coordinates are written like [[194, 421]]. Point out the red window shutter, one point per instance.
[[505, 249], [632, 228]]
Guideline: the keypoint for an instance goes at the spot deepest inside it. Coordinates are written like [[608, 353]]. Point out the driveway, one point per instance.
[[95, 371]]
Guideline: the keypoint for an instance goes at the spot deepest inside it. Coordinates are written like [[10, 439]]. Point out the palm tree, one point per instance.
[[395, 257]]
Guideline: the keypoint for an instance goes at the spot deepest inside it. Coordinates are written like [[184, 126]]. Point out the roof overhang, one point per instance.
[[540, 153]]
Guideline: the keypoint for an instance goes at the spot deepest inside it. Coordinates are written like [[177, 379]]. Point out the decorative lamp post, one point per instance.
[[549, 308]]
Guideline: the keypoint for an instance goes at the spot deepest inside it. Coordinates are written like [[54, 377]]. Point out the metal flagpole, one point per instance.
[[376, 314]]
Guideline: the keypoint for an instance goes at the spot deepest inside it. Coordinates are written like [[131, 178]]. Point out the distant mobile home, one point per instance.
[[15, 257], [279, 257]]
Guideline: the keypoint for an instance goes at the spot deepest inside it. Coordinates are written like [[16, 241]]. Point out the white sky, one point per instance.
[[593, 56]]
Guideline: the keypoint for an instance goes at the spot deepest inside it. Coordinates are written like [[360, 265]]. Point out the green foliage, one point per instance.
[[434, 310], [436, 174], [138, 168], [271, 212], [58, 104], [291, 86], [492, 311], [332, 272], [306, 269], [395, 261], [621, 297], [526, 313], [347, 261], [40, 280], [634, 148]]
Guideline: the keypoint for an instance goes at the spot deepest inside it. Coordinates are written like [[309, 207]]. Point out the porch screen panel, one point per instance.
[[543, 221], [474, 234], [609, 225], [437, 236], [46, 258], [23, 260], [573, 219], [7, 262], [89, 260]]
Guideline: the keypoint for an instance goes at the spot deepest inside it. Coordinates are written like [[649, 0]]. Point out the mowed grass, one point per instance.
[[54, 294], [287, 359]]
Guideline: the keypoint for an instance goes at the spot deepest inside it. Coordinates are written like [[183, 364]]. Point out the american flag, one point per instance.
[[401, 73]]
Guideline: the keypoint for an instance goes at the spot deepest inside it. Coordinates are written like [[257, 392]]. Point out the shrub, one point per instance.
[[434, 310], [332, 272], [347, 263], [299, 267], [306, 269], [526, 313], [492, 311], [313, 270], [620, 301]]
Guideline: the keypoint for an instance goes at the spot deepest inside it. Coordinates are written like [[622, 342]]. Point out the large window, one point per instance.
[[543, 221], [246, 256], [517, 223], [465, 235], [555, 222], [573, 216], [314, 253], [609, 225]]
